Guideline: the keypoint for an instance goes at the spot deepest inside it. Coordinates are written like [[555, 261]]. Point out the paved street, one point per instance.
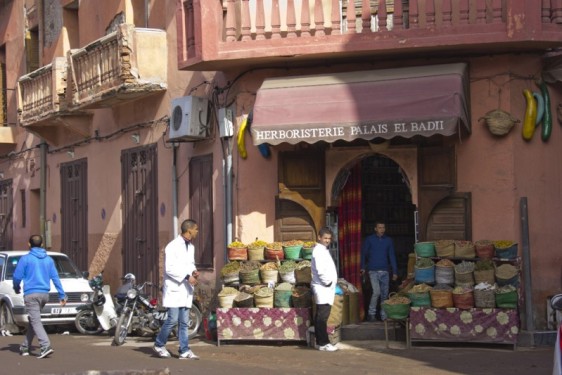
[[76, 354]]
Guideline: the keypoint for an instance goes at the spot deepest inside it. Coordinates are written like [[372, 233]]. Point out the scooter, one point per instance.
[[98, 314]]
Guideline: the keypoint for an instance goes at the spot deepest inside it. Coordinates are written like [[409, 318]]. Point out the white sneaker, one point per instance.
[[161, 351], [188, 355], [327, 348]]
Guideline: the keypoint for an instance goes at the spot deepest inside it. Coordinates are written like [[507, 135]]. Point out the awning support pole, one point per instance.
[[529, 318]]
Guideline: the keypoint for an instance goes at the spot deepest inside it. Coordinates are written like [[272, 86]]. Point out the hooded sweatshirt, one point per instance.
[[36, 270]]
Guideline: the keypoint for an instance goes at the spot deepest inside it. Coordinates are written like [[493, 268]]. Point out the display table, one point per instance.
[[262, 323], [500, 326]]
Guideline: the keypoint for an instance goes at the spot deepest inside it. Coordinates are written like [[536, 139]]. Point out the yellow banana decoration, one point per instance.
[[240, 139], [530, 116]]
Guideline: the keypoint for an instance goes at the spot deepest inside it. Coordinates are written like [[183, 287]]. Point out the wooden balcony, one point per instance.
[[215, 35], [128, 64]]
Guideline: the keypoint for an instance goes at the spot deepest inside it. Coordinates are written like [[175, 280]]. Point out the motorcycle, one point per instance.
[[556, 304], [145, 317], [99, 313]]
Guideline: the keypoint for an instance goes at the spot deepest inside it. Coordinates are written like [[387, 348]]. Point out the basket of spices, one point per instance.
[[419, 295], [282, 295], [250, 272], [507, 274], [244, 300], [484, 271], [505, 249], [230, 273], [263, 297], [226, 297], [303, 272], [506, 297], [445, 248], [464, 249], [307, 248], [301, 297], [441, 296], [269, 273], [445, 272], [287, 271], [274, 251], [292, 249], [256, 250], [424, 249], [424, 271], [463, 297], [464, 274], [484, 295], [237, 251], [484, 249], [396, 307]]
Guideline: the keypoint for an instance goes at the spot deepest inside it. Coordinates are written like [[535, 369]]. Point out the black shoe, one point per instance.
[[371, 319], [45, 352]]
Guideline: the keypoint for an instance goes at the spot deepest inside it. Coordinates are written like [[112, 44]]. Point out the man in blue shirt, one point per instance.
[[36, 270], [377, 257]]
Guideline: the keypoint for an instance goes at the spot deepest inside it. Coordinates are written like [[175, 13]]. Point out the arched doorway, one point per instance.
[[376, 188]]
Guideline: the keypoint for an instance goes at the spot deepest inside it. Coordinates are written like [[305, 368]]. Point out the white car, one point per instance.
[[12, 308]]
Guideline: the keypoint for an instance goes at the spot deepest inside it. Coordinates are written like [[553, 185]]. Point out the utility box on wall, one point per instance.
[[189, 119]]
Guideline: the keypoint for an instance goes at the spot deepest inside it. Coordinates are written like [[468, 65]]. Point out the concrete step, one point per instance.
[[373, 331]]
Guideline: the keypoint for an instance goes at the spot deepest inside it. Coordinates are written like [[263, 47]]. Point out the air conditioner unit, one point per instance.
[[189, 118]]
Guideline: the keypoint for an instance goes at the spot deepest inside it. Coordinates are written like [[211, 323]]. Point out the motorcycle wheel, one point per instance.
[[87, 323], [195, 320], [121, 329]]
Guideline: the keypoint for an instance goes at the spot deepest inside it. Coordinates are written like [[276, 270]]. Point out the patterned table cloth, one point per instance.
[[472, 325], [262, 323]]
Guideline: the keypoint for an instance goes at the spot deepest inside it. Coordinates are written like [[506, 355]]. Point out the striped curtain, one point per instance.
[[349, 232]]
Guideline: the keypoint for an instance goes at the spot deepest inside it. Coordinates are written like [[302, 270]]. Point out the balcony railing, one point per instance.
[[251, 32], [125, 65], [42, 93]]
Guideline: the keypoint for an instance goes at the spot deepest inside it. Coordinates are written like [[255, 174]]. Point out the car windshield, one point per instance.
[[65, 267]]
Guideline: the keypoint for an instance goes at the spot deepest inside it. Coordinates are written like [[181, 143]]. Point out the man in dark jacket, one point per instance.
[[377, 257], [36, 270]]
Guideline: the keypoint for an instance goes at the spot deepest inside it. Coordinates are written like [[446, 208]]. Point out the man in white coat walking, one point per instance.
[[324, 280], [180, 278]]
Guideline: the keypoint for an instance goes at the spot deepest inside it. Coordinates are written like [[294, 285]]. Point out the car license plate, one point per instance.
[[63, 310]]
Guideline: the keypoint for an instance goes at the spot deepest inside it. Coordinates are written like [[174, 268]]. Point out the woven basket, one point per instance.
[[484, 298], [288, 277], [464, 249], [445, 248], [441, 299], [397, 310], [464, 278], [420, 299], [237, 253], [507, 300], [303, 276], [508, 252], [481, 276], [484, 249], [425, 275], [244, 300], [261, 301], [507, 274], [274, 254], [306, 253], [292, 252], [256, 254], [444, 275], [250, 277], [464, 300], [282, 298], [301, 297], [499, 122], [231, 279], [425, 249], [227, 300], [269, 276]]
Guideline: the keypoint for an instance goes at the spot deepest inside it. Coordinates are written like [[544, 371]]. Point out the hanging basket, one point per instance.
[[499, 122]]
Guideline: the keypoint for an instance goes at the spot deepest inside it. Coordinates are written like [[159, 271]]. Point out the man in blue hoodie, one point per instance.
[[36, 270], [377, 253]]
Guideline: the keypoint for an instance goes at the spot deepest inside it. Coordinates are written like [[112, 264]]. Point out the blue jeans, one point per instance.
[[180, 316], [380, 283]]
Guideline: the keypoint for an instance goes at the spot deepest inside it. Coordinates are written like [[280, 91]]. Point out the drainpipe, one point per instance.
[[227, 166], [146, 15], [530, 319], [175, 190], [43, 191]]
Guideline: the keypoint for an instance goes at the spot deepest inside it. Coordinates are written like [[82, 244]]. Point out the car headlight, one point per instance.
[[84, 297], [132, 293]]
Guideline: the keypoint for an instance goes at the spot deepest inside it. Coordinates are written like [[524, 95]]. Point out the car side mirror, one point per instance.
[[85, 274]]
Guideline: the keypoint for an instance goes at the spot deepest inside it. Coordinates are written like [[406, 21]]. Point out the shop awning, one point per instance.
[[372, 104]]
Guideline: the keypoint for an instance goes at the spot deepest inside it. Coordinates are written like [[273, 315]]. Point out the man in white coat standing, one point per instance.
[[324, 280], [180, 278]]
